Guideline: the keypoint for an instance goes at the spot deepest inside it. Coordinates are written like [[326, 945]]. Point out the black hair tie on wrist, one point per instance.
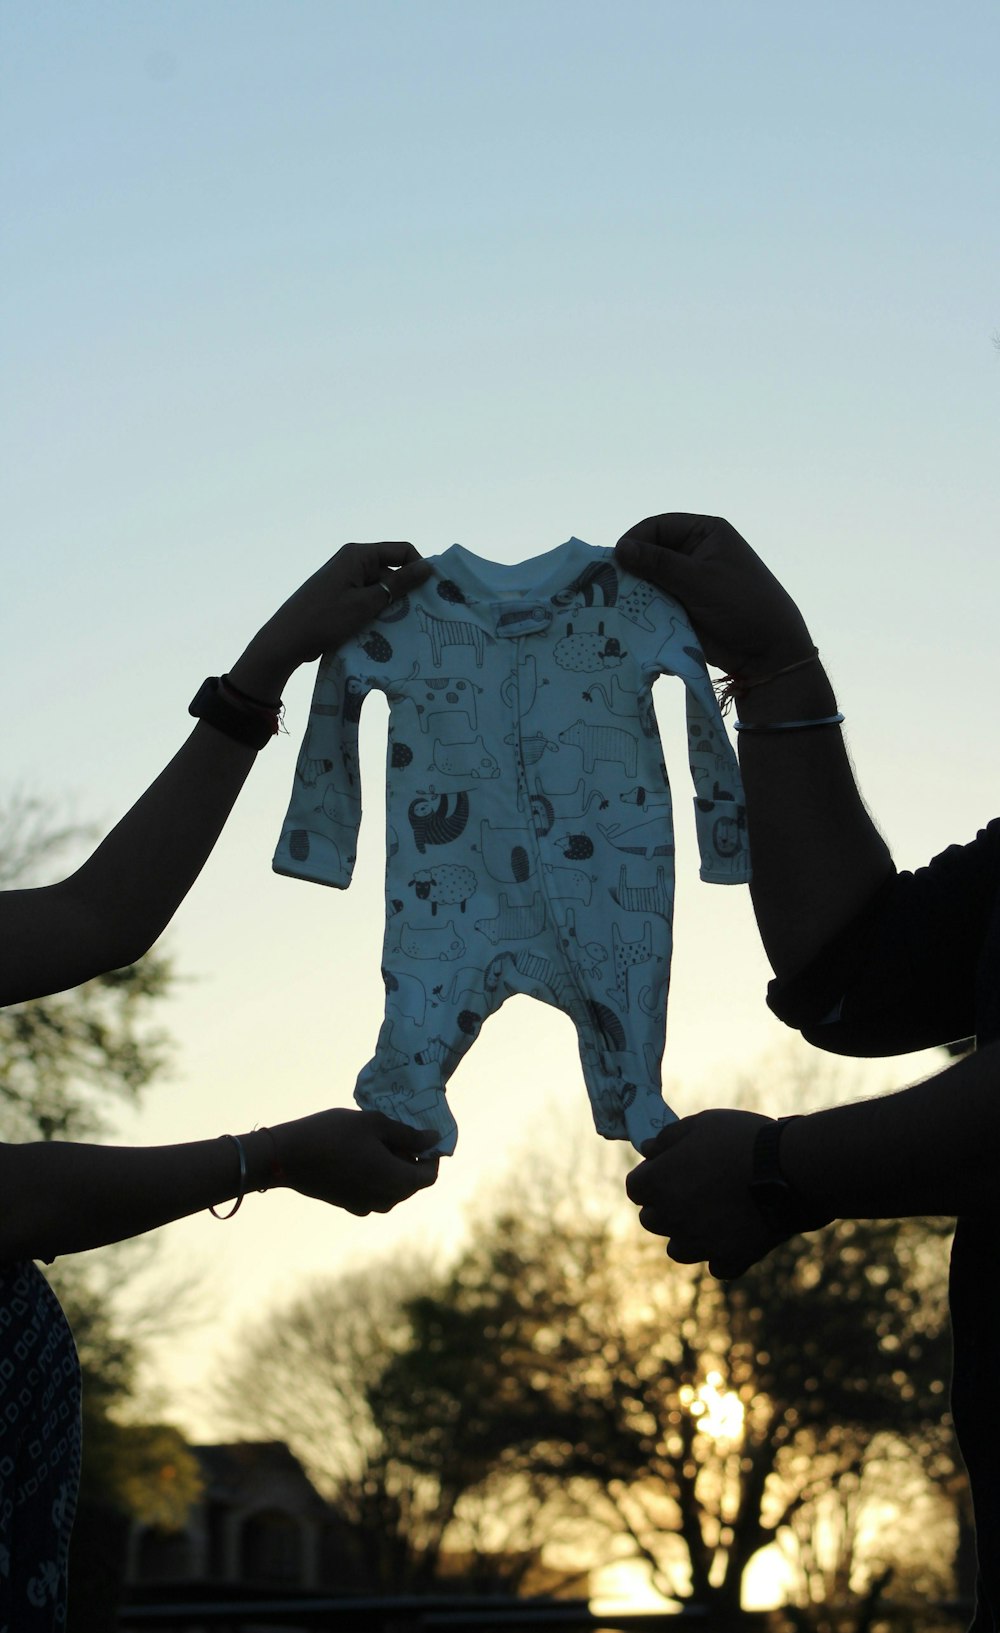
[[220, 704]]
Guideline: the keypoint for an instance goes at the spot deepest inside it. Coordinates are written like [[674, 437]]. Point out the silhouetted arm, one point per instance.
[[817, 857], [112, 909], [930, 1149], [62, 1197], [867, 961]]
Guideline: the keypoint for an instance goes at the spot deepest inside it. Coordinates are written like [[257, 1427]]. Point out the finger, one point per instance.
[[644, 1185], [418, 1177], [371, 557], [667, 1136], [729, 1269], [675, 530], [400, 1137], [639, 1186], [391, 585], [405, 579], [395, 552], [686, 1250], [647, 531], [652, 1219], [667, 568], [421, 1175], [648, 1181]]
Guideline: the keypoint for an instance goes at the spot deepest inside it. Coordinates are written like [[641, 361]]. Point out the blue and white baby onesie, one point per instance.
[[529, 835]]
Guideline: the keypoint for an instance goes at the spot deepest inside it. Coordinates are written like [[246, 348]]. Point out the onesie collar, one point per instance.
[[538, 579]]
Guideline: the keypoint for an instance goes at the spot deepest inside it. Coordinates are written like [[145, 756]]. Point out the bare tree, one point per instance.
[[847, 1562], [65, 1061], [304, 1375], [565, 1373], [705, 1417]]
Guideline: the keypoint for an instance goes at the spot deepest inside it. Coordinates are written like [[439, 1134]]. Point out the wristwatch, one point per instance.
[[782, 1209]]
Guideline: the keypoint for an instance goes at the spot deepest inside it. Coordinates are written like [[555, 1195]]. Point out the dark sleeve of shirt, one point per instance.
[[905, 973]]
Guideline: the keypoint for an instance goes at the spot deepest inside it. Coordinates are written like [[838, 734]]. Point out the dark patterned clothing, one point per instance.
[[39, 1451], [920, 966]]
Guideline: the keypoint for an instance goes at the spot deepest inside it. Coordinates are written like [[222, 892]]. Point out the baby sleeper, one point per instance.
[[529, 829]]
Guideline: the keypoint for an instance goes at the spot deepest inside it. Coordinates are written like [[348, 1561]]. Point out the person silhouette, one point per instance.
[[62, 1196], [867, 960]]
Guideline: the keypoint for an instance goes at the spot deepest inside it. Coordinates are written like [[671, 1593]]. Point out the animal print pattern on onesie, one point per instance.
[[529, 818]]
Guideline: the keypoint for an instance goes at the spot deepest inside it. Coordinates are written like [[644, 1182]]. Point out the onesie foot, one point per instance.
[[645, 1115], [419, 1108]]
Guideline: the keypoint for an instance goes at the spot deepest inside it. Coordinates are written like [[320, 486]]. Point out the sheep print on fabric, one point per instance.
[[529, 834]]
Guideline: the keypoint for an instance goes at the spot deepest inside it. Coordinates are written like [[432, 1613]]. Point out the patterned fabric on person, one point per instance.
[[529, 820], [39, 1451]]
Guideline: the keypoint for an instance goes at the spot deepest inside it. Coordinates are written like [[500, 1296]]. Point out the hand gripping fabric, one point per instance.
[[529, 833]]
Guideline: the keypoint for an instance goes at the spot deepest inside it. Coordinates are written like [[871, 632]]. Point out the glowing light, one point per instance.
[[720, 1411], [624, 1585], [766, 1580]]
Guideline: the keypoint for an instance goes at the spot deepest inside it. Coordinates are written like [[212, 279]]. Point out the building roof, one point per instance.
[[249, 1471]]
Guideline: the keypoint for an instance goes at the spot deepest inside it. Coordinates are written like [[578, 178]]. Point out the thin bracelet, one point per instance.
[[736, 686], [278, 1175], [790, 725], [243, 1179]]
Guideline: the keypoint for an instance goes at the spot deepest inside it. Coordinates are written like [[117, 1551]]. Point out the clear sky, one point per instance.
[[279, 275]]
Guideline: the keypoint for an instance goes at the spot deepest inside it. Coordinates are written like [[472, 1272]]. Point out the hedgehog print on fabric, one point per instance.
[[529, 813]]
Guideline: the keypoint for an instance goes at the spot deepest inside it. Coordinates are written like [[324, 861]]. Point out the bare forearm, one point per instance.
[[135, 881], [139, 875], [817, 856], [115, 906], [60, 1197], [111, 911], [933, 1148], [63, 1198]]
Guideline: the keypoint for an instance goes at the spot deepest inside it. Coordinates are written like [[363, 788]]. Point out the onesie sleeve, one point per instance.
[[319, 836], [719, 806]]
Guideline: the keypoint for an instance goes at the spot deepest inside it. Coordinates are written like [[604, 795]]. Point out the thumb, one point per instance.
[[406, 578], [404, 1140], [668, 1136], [392, 586]]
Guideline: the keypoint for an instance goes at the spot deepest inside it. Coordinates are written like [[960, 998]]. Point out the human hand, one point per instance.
[[746, 621], [359, 1160], [354, 586], [693, 1187]]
